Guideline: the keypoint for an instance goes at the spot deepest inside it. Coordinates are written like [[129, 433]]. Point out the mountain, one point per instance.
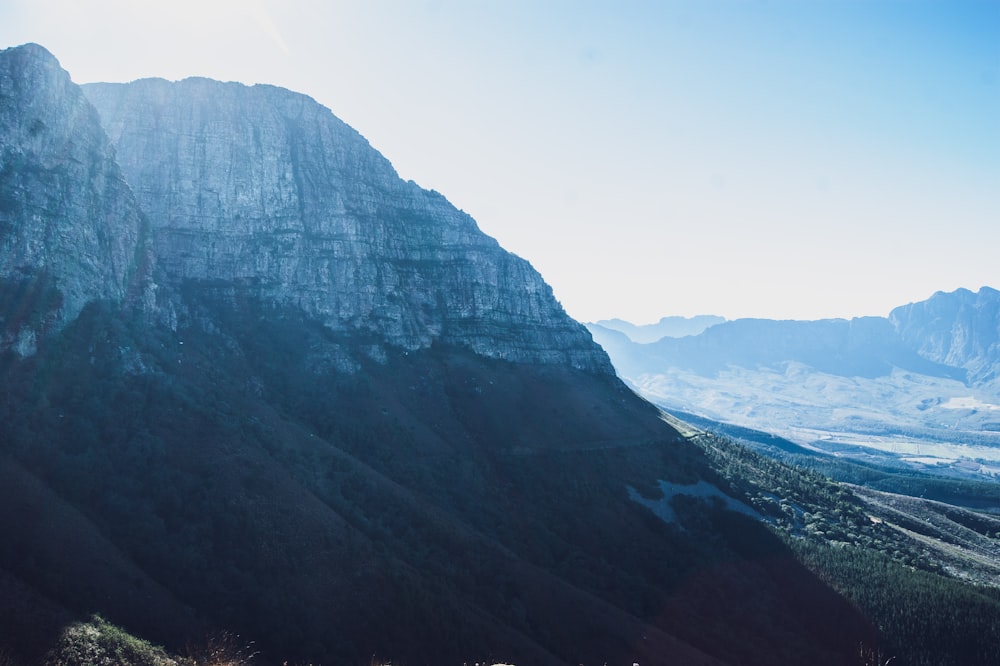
[[865, 347], [960, 329], [667, 327], [920, 384], [52, 143], [317, 409], [305, 214]]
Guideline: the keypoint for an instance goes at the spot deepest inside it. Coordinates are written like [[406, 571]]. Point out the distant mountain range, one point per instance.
[[667, 327], [926, 373]]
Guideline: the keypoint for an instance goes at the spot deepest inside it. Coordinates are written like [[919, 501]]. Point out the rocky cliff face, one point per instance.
[[266, 192], [960, 328], [69, 224]]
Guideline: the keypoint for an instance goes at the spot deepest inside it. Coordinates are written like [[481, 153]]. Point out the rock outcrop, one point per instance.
[[266, 192], [960, 328], [69, 224]]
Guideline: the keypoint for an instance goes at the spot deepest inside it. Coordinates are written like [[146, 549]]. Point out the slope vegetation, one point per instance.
[[436, 507]]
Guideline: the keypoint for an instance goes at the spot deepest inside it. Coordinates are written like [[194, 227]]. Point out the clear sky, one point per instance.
[[789, 159]]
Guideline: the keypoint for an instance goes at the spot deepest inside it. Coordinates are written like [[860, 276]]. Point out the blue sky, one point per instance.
[[797, 159]]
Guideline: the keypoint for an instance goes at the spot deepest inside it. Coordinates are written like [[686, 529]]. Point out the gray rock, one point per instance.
[[267, 192], [960, 328], [67, 217]]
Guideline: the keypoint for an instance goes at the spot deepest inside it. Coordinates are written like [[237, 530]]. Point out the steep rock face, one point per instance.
[[69, 224], [960, 328], [269, 193]]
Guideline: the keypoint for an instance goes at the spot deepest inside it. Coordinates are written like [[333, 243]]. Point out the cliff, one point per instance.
[[960, 328], [70, 229], [267, 193]]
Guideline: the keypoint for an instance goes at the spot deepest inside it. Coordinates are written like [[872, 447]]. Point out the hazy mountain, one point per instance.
[[667, 327], [867, 347], [960, 329], [274, 390], [925, 374]]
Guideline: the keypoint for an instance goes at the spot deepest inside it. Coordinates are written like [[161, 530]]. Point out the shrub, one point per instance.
[[100, 643]]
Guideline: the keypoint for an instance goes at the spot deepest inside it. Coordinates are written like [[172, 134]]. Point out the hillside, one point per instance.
[[905, 562]]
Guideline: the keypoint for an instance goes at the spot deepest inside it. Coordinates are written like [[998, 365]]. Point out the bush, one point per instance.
[[100, 643]]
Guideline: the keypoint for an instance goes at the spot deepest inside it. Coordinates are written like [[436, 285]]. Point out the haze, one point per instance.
[[790, 160]]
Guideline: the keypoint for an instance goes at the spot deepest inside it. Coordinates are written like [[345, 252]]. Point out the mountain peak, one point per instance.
[[69, 225], [30, 52], [263, 193], [960, 328]]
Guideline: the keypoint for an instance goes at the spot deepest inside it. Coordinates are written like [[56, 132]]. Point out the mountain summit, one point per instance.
[[69, 223], [267, 192], [960, 329]]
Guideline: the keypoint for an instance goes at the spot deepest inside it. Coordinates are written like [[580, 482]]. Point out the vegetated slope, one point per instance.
[[903, 561], [436, 507], [339, 464], [877, 473], [964, 543]]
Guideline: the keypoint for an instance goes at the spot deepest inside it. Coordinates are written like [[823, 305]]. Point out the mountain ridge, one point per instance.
[[309, 214], [958, 328], [673, 327]]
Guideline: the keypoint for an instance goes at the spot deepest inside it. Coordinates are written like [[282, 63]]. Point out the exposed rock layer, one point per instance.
[[960, 328], [266, 190], [67, 215]]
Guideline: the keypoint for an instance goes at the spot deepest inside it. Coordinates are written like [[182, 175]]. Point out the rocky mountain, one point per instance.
[[305, 214], [274, 391], [960, 329], [57, 168], [920, 383]]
